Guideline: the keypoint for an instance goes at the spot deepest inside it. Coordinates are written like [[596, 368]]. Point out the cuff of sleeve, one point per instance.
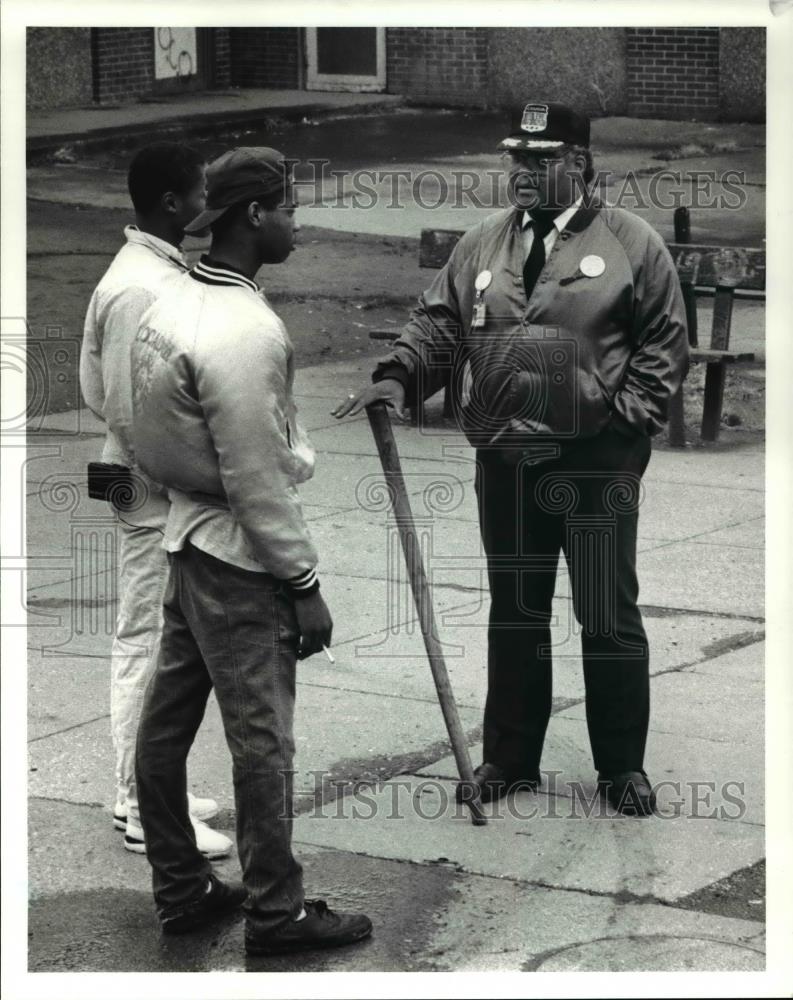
[[303, 585], [400, 374], [397, 372]]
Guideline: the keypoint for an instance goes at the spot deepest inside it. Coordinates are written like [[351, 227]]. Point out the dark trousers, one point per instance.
[[584, 503], [234, 631]]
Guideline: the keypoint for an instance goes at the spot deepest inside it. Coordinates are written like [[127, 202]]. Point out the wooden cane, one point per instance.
[[392, 468]]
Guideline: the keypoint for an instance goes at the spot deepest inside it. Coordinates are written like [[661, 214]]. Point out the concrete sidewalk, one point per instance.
[[545, 886], [49, 128]]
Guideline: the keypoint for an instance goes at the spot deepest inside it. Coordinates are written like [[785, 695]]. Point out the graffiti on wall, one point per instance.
[[174, 53]]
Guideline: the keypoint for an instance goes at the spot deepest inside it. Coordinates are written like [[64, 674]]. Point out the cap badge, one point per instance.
[[535, 118]]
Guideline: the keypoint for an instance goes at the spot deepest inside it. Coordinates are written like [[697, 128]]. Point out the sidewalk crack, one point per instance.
[[67, 729]]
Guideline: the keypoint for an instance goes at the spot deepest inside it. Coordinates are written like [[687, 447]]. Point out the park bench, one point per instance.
[[723, 272]]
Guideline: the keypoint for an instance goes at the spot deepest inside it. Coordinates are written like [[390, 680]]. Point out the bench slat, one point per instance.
[[700, 264], [709, 355], [710, 266]]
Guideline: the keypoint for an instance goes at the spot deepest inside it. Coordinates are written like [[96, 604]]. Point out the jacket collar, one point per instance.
[[561, 220], [575, 222], [215, 272], [161, 247], [583, 217]]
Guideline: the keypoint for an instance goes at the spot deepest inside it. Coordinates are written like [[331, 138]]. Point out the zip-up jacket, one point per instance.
[[128, 288], [216, 422], [602, 336]]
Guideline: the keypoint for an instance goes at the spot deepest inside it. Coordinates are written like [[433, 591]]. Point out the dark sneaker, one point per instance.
[[320, 928], [219, 900], [630, 793]]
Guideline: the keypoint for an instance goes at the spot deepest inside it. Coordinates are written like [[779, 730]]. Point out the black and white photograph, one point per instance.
[[396, 484]]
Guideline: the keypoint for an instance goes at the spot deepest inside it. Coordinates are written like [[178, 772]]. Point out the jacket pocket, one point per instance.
[[607, 395]]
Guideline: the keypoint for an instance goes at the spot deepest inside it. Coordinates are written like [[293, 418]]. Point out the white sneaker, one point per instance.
[[120, 814], [200, 809], [133, 837], [210, 843]]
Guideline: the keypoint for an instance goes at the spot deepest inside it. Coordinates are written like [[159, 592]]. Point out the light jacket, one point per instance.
[[130, 285], [216, 422], [603, 335]]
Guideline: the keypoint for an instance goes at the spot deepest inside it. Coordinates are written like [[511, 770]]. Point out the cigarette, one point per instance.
[[329, 655]]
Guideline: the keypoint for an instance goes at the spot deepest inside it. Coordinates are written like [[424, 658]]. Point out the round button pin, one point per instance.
[[592, 265], [483, 280]]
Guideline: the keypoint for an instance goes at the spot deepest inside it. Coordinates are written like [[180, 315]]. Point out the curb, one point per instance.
[[201, 123]]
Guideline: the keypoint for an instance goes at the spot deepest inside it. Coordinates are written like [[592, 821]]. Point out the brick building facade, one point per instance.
[[672, 72], [124, 67], [438, 65], [122, 63], [700, 73], [267, 57]]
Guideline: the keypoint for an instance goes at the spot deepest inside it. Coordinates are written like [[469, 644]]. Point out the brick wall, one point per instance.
[[123, 63], [673, 72], [446, 66], [58, 67], [265, 57]]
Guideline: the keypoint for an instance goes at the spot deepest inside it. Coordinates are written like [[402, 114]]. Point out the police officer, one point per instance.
[[565, 322]]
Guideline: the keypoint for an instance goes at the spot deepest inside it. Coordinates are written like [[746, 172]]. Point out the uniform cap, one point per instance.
[[546, 127]]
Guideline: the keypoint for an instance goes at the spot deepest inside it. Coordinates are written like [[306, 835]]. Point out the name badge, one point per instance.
[[481, 283]]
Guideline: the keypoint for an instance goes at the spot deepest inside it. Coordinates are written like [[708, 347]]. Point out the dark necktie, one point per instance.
[[536, 259]]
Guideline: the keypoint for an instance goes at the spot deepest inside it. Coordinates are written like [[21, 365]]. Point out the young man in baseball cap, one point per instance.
[[216, 422], [167, 186]]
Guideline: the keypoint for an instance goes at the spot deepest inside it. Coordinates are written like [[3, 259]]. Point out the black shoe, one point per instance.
[[630, 792], [494, 783], [219, 900], [320, 928]]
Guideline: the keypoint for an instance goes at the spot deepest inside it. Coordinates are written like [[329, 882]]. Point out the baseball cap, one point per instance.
[[247, 172], [546, 127]]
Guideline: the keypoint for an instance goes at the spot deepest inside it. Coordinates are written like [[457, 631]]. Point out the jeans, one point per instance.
[[235, 631], [143, 571], [584, 503]]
